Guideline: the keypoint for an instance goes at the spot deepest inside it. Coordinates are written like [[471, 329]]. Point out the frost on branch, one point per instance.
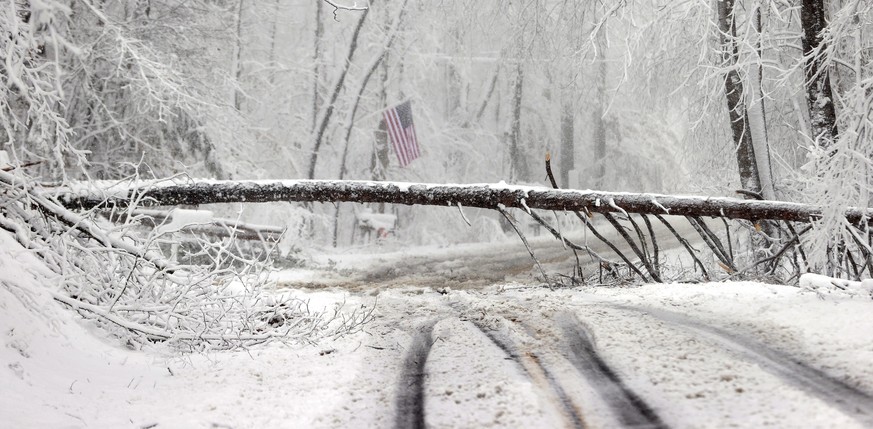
[[120, 278]]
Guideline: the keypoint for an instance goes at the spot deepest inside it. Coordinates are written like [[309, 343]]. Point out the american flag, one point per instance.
[[402, 132]]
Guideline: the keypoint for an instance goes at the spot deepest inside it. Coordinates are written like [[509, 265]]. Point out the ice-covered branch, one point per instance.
[[354, 5]]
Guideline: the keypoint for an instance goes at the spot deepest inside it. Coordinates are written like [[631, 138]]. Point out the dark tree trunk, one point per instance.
[[733, 88], [488, 94], [325, 120], [517, 160], [482, 196], [819, 96]]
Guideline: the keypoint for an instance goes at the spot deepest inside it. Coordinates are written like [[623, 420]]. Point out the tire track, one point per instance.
[[629, 408], [410, 392], [848, 399], [570, 412]]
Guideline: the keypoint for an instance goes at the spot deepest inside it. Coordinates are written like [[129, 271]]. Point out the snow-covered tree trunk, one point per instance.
[[237, 57], [734, 93], [274, 27], [757, 112], [481, 196], [819, 96]]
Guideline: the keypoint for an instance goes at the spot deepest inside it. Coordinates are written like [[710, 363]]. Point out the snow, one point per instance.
[[828, 285], [182, 218], [60, 371], [4, 160], [104, 188]]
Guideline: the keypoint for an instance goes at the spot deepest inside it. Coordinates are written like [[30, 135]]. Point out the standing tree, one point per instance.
[[734, 93], [819, 96]]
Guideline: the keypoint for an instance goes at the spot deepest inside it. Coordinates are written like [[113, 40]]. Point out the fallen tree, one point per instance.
[[490, 196], [613, 206]]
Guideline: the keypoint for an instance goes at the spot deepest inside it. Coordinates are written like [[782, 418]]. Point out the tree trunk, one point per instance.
[[568, 156], [488, 94], [734, 92], [237, 61], [599, 110], [819, 96], [371, 70], [316, 64], [273, 31], [453, 80], [350, 121], [757, 115], [600, 101], [518, 162], [325, 119], [481, 196]]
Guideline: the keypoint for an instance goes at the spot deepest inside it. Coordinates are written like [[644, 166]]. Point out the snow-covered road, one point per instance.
[[472, 266], [462, 353], [529, 358]]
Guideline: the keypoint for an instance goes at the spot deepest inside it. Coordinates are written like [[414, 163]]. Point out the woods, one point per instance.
[[454, 213], [231, 103]]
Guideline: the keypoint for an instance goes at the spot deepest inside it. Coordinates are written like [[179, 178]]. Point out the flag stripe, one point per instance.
[[410, 137], [397, 136], [414, 139], [401, 130], [393, 129]]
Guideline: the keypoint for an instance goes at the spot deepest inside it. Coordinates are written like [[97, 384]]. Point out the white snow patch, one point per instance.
[[182, 218], [826, 285]]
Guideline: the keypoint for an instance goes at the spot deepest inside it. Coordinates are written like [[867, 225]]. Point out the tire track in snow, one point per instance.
[[850, 400], [410, 392], [571, 413], [629, 408]]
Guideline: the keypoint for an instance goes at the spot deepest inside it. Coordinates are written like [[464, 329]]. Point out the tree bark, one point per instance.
[[819, 96], [488, 94], [568, 156], [481, 196], [517, 161], [316, 64], [733, 88], [599, 110], [237, 60], [273, 30]]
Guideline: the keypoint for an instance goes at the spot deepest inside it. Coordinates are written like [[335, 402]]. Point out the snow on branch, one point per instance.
[[337, 6], [489, 196], [129, 283]]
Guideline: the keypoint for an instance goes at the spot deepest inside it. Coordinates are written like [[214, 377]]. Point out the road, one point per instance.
[[464, 337], [574, 359], [474, 266]]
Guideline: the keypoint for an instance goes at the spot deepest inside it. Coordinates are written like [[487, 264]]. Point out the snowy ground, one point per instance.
[[504, 354]]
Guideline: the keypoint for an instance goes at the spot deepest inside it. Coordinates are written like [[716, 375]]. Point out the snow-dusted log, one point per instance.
[[489, 196]]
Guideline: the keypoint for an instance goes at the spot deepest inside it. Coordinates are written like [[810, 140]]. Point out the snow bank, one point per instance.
[[60, 371], [824, 284]]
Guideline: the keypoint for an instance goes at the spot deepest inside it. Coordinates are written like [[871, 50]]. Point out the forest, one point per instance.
[[105, 102]]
